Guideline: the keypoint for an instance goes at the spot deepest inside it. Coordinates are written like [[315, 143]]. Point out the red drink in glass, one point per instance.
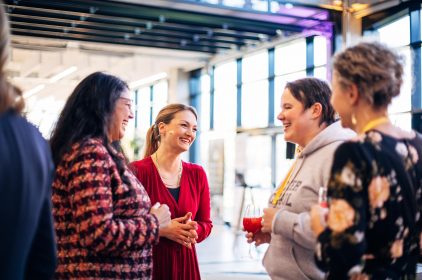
[[252, 224]]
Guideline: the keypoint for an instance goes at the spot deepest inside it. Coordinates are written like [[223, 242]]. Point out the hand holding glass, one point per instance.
[[252, 221]]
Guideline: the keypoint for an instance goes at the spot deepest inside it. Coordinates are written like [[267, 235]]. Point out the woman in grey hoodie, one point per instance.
[[309, 121]]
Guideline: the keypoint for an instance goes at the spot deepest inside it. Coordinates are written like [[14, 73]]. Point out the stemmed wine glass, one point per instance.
[[323, 203], [322, 197], [252, 221]]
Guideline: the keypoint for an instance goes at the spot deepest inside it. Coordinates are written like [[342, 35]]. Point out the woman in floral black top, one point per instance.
[[374, 221]]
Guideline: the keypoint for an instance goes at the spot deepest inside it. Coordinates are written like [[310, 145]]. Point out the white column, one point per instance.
[[351, 26], [178, 86]]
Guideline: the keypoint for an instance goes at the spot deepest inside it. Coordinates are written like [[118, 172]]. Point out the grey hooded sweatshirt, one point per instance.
[[291, 251]]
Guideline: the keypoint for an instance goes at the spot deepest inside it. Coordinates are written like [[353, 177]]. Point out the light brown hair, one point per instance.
[[376, 70], [10, 96], [164, 116]]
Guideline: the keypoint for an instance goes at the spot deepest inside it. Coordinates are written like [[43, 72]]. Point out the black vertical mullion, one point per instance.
[[151, 107], [271, 87], [274, 154], [136, 109], [415, 42], [239, 91], [310, 56], [194, 100], [212, 97]]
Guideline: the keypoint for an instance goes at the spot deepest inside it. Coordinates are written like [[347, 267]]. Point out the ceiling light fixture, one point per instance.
[[63, 74], [148, 80], [33, 91]]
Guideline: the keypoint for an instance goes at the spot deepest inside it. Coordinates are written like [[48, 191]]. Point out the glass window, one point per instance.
[[320, 50], [260, 5], [282, 164], [279, 84], [258, 161], [321, 73], [397, 33], [403, 102], [205, 103], [225, 74], [290, 57], [255, 67], [225, 108], [234, 3], [403, 120], [225, 97], [143, 110], [44, 114], [159, 98], [255, 104]]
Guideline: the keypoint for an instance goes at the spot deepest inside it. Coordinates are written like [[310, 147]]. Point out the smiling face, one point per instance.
[[296, 120], [180, 133], [121, 116]]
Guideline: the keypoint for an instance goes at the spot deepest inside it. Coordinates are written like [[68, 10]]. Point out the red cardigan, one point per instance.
[[172, 260]]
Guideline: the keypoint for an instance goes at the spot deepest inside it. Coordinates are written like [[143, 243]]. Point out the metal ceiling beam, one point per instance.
[[145, 25], [222, 10], [113, 35], [92, 38], [132, 13], [67, 24], [76, 17]]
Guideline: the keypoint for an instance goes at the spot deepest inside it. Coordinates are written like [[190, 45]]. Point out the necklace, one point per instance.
[[164, 179], [374, 123]]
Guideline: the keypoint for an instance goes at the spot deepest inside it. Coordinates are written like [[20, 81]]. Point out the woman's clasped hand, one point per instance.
[[182, 230]]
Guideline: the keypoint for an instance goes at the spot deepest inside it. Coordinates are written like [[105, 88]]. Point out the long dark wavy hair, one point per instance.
[[87, 114]]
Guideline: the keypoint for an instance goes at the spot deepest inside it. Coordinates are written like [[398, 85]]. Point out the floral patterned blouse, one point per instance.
[[374, 220]]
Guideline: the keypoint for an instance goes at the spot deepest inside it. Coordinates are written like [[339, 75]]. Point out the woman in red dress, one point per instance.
[[183, 186]]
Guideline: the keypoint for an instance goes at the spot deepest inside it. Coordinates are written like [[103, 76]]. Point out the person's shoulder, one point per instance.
[[94, 145], [21, 122], [358, 146], [194, 168], [417, 136], [142, 163], [88, 147], [27, 132]]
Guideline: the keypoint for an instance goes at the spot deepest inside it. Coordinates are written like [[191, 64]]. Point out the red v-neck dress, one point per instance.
[[170, 259]]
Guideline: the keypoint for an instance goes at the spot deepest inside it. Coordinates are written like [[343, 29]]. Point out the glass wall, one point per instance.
[[148, 101], [396, 34], [255, 90], [225, 105], [236, 104]]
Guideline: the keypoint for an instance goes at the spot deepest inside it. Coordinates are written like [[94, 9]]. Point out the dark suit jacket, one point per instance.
[[27, 243]]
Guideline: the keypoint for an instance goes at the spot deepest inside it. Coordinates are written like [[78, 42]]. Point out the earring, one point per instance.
[[354, 121]]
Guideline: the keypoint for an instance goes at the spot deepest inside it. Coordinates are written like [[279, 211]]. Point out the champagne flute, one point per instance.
[[252, 221], [323, 203], [322, 197]]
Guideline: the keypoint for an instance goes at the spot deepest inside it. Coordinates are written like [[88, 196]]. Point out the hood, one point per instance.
[[332, 133]]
